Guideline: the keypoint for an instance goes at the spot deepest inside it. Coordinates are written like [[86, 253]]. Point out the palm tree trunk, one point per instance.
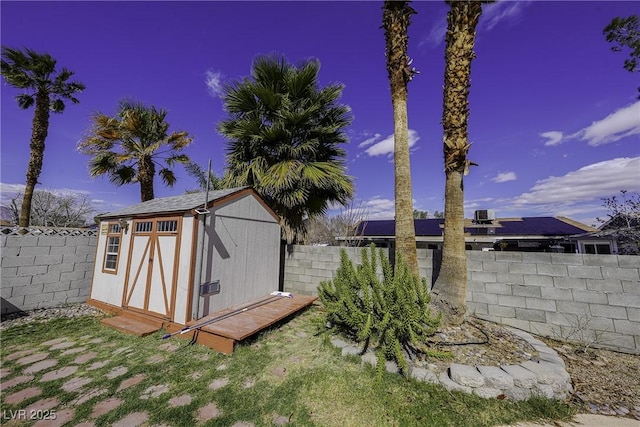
[[450, 289], [449, 294], [39, 131], [405, 228], [146, 173], [395, 21]]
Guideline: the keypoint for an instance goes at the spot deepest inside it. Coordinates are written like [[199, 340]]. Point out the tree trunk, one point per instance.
[[405, 228], [40, 127], [146, 173], [395, 21], [449, 293], [450, 288]]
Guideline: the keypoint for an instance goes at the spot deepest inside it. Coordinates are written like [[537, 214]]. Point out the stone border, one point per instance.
[[546, 377]]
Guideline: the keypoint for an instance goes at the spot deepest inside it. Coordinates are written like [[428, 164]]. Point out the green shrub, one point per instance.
[[388, 313]]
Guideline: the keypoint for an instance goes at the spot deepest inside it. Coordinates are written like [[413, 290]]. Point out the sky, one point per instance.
[[554, 122]]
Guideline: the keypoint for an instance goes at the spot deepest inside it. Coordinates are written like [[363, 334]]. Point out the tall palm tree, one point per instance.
[[450, 290], [284, 134], [396, 18], [129, 146], [47, 88]]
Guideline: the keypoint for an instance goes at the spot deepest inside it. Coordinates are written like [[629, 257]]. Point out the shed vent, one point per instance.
[[485, 216]]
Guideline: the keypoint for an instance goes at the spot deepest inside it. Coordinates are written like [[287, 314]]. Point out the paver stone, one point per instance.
[[133, 420], [105, 406], [41, 366], [22, 395], [208, 412], [59, 373], [61, 418]]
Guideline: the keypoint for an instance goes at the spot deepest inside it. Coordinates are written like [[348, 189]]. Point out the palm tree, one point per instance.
[[47, 88], [396, 18], [284, 135], [129, 146], [450, 290]]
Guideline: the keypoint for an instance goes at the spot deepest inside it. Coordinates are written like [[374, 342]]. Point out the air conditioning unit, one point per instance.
[[485, 215]]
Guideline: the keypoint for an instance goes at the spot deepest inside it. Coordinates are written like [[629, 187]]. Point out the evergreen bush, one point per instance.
[[387, 312]]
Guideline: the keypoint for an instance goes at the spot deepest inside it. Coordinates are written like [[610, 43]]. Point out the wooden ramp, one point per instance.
[[241, 322], [131, 323]]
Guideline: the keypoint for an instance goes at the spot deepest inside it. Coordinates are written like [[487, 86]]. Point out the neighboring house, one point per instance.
[[485, 232], [618, 235]]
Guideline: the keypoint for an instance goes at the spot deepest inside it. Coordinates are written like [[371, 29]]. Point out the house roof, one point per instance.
[[182, 203], [533, 226]]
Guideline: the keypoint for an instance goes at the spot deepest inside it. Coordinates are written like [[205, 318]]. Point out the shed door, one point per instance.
[[153, 266]]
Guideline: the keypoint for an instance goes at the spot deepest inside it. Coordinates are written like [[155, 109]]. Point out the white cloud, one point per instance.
[[554, 137], [7, 191], [504, 177], [379, 208], [620, 124], [213, 80], [385, 147], [586, 184], [495, 13], [617, 125], [369, 141]]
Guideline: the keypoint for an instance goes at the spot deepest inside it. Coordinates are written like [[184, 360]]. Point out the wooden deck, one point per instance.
[[132, 323], [238, 323]]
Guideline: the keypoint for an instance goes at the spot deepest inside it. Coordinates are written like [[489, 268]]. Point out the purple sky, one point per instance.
[[554, 122]]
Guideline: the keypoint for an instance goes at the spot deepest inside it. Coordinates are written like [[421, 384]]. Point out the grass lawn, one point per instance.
[[287, 373]]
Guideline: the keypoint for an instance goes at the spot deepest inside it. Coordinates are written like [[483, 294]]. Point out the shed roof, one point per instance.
[[182, 203], [538, 226]]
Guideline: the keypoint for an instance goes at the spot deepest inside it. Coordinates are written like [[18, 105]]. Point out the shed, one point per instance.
[[153, 258]]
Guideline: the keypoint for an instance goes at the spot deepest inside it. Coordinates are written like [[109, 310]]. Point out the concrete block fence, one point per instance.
[[594, 299], [41, 271], [590, 298]]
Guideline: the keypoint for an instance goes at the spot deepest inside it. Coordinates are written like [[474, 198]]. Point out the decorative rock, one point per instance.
[[41, 366], [522, 377], [495, 377], [466, 375], [370, 358], [337, 342], [424, 375], [350, 351], [391, 367], [543, 390], [487, 392], [105, 406], [546, 373], [451, 385], [518, 393]]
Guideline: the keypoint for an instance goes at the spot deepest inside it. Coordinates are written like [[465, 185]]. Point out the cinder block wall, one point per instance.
[[45, 271], [590, 298]]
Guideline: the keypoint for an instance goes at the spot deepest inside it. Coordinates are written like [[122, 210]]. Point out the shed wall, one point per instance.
[[108, 287], [243, 249]]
